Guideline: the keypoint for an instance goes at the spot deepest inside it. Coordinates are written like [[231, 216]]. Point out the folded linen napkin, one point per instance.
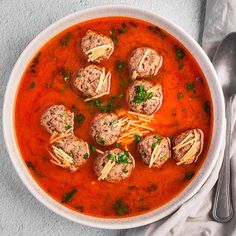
[[193, 218]]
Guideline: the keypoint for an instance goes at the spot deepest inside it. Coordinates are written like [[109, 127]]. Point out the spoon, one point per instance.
[[224, 62]]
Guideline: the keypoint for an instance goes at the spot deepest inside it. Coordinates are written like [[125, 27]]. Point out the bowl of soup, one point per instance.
[[113, 117]]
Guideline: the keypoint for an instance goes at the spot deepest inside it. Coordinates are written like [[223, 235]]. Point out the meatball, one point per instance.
[[96, 47], [105, 128], [57, 119], [120, 165], [187, 146], [154, 150], [144, 62], [70, 152], [92, 81], [143, 97]]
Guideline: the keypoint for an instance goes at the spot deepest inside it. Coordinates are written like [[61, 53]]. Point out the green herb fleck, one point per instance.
[[111, 157], [68, 126], [180, 95], [141, 95], [68, 196], [120, 95], [149, 78], [32, 85], [158, 138], [123, 157], [179, 53], [123, 28], [86, 155], [30, 165], [109, 107], [152, 188], [207, 107], [189, 175], [156, 30], [137, 138], [93, 148], [120, 65], [120, 207], [132, 23], [35, 62], [117, 145], [190, 86], [80, 208], [101, 140], [66, 78], [154, 145], [66, 39], [79, 118]]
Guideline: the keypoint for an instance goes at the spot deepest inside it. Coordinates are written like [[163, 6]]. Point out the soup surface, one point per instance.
[[46, 81]]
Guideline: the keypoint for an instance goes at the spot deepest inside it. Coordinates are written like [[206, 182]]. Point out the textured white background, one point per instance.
[[20, 22]]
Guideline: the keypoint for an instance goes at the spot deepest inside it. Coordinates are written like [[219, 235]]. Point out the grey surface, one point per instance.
[[20, 22]]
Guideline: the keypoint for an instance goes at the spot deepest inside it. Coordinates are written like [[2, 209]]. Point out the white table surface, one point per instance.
[[20, 22]]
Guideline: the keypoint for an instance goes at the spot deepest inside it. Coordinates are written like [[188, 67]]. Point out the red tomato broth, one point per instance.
[[147, 188]]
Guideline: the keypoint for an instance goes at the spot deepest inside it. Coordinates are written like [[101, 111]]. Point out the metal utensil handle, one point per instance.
[[222, 208]]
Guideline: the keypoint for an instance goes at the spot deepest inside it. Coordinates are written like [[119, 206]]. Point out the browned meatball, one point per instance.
[[92, 81], [105, 128], [144, 62], [120, 165], [70, 152], [96, 47], [57, 118], [157, 147], [143, 97], [187, 146]]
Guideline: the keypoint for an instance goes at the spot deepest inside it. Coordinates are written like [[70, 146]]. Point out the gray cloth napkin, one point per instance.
[[193, 218]]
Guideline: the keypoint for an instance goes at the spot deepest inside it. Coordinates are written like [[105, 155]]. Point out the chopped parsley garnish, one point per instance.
[[111, 157], [35, 62], [86, 155], [67, 127], [79, 118], [120, 65], [179, 53], [123, 28], [120, 158], [189, 175], [154, 145], [207, 107], [68, 196], [31, 166], [120, 207], [66, 39], [32, 85], [149, 78], [93, 148], [109, 107], [123, 157], [117, 145], [66, 78], [158, 138], [120, 95], [137, 138], [180, 95], [190, 86], [80, 208], [114, 36], [156, 30], [132, 23], [141, 94], [152, 188], [101, 140]]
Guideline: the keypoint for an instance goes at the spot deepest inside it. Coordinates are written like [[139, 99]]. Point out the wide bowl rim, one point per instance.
[[202, 60]]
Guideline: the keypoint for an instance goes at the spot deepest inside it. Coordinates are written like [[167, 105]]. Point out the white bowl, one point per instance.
[[194, 49]]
